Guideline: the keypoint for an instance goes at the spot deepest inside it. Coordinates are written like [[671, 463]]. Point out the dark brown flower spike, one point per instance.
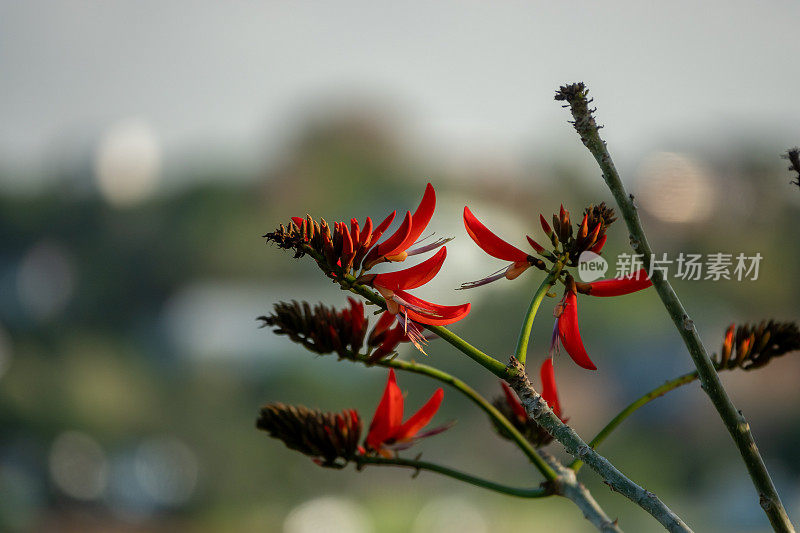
[[330, 438], [753, 346]]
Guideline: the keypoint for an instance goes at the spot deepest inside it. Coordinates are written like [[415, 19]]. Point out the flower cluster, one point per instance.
[[509, 405], [567, 246], [350, 250], [332, 439], [325, 330], [753, 346]]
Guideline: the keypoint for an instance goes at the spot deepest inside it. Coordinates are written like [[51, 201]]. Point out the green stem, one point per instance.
[[632, 407], [455, 474], [541, 292], [735, 422], [410, 366]]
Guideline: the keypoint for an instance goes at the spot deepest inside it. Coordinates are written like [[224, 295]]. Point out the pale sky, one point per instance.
[[464, 75]]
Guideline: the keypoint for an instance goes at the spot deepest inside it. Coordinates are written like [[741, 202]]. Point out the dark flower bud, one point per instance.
[[330, 438]]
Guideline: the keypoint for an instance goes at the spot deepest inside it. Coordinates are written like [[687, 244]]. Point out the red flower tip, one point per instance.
[[584, 229], [535, 245], [382, 226], [620, 286], [569, 334], [545, 226], [489, 242], [298, 221], [421, 217], [549, 391], [413, 277], [597, 248], [394, 244]]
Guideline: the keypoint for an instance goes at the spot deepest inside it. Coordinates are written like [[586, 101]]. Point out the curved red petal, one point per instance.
[[549, 391], [393, 245], [489, 242], [393, 337], [445, 314], [545, 226], [421, 218], [570, 335], [535, 245], [440, 310], [298, 221], [413, 277], [382, 227], [355, 231], [597, 248], [421, 418], [388, 415], [513, 402], [366, 233], [620, 286], [383, 323]]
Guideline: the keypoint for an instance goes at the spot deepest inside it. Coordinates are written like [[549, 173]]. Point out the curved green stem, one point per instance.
[[410, 366], [541, 292], [455, 474], [632, 407]]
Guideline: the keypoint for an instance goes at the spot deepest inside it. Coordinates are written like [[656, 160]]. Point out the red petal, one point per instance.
[[549, 392], [299, 221], [421, 418], [355, 231], [489, 242], [454, 314], [597, 248], [620, 286], [545, 226], [382, 227], [388, 415], [393, 245], [420, 219], [413, 277], [535, 245], [513, 402], [444, 314], [366, 235], [570, 335]]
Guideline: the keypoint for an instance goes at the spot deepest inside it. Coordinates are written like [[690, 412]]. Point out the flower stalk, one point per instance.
[[525, 333]]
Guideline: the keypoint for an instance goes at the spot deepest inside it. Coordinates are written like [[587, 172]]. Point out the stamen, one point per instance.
[[488, 279], [418, 309], [428, 247], [414, 334]]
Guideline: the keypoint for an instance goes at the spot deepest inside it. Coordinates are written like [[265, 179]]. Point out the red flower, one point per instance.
[[409, 309], [387, 432], [566, 312], [396, 247], [497, 247]]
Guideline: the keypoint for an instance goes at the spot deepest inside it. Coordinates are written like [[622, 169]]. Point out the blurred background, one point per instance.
[[146, 146]]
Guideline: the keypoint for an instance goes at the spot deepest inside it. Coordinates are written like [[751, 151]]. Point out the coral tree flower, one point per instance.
[[497, 247], [511, 407], [566, 326], [388, 432], [409, 309], [346, 247]]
